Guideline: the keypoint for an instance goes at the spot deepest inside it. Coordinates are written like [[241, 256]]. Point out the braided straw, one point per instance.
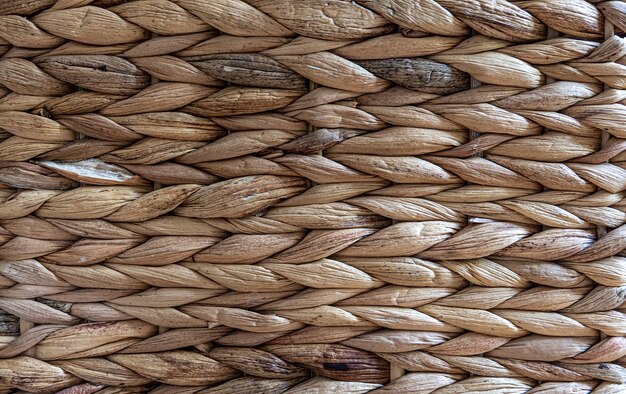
[[312, 196]]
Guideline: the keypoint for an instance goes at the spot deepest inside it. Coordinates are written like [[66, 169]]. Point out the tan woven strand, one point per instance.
[[312, 196]]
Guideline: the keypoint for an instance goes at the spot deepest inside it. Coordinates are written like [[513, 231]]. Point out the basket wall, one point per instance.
[[312, 196]]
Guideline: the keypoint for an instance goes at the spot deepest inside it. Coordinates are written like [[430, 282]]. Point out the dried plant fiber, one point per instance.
[[313, 196]]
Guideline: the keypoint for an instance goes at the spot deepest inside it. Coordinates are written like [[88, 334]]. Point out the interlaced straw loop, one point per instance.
[[168, 224]]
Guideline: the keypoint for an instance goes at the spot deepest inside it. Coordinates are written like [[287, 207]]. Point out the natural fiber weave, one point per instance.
[[312, 196]]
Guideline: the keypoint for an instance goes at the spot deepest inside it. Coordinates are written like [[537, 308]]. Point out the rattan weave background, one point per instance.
[[312, 196]]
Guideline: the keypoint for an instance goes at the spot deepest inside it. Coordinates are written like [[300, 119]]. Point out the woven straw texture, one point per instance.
[[312, 196]]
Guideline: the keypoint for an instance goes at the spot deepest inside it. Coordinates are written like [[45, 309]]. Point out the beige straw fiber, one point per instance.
[[313, 196]]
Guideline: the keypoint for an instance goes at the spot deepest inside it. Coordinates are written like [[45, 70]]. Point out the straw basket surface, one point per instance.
[[312, 196]]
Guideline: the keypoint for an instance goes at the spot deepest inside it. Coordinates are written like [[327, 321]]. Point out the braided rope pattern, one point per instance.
[[312, 196]]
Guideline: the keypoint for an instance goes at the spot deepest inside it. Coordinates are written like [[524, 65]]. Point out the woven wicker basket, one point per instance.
[[312, 196]]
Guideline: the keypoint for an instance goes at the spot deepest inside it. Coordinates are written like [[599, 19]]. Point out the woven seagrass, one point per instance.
[[312, 196]]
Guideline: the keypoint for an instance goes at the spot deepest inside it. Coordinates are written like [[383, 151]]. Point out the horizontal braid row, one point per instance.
[[135, 336], [516, 22], [419, 309], [80, 212], [361, 204], [51, 279], [350, 152], [405, 271], [285, 66], [123, 345]]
